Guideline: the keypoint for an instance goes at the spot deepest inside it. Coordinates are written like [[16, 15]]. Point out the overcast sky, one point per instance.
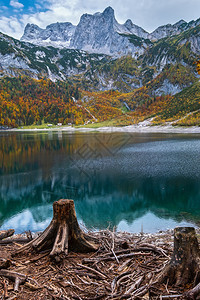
[[149, 14]]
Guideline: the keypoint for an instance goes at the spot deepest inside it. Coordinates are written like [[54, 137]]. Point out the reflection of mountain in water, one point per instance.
[[159, 177], [104, 199]]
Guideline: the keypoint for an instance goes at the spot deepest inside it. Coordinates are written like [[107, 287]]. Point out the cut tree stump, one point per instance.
[[63, 233], [184, 267]]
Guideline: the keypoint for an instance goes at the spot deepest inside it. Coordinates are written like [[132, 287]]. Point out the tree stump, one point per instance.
[[184, 267], [63, 233]]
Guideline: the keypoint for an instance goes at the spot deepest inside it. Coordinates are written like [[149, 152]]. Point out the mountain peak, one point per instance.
[[32, 26], [101, 33], [128, 24], [31, 31], [109, 11], [179, 23]]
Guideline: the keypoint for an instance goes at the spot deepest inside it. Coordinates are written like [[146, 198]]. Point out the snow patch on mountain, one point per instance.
[[39, 54], [12, 61]]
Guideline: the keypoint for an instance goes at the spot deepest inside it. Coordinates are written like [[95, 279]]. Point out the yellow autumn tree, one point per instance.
[[198, 66]]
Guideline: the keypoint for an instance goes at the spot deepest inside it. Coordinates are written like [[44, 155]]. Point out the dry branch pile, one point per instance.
[[122, 266], [126, 266]]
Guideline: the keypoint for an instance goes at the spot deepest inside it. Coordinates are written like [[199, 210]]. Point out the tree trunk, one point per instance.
[[184, 266], [63, 233]]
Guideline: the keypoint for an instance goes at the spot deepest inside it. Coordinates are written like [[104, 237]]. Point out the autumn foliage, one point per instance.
[[25, 101], [198, 66]]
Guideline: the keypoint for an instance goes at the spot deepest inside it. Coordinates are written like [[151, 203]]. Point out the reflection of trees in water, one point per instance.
[[20, 152], [143, 196], [107, 185], [26, 152]]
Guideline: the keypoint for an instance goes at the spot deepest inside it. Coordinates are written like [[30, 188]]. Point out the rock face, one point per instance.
[[131, 28], [169, 30], [98, 33], [101, 33], [102, 53], [57, 34]]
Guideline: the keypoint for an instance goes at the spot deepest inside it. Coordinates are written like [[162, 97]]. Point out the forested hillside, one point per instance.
[[25, 101], [41, 85]]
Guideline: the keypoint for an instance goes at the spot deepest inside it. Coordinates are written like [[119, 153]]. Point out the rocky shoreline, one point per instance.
[[140, 128]]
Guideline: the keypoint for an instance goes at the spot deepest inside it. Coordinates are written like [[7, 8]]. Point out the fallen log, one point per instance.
[[14, 240], [184, 265], [63, 234]]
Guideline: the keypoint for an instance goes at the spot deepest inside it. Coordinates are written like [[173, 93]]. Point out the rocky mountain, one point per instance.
[[93, 71], [22, 58], [137, 79], [98, 33], [170, 30], [130, 60], [101, 33], [57, 34]]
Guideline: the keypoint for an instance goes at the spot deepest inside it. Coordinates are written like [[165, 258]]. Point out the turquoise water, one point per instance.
[[135, 182]]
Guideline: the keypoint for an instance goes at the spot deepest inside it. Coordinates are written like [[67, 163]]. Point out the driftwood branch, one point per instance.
[[18, 278], [193, 293], [5, 289], [6, 233]]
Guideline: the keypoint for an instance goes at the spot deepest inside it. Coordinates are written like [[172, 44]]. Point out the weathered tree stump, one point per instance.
[[184, 267], [63, 233]]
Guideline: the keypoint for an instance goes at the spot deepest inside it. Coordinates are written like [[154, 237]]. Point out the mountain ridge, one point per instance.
[[101, 33], [133, 79]]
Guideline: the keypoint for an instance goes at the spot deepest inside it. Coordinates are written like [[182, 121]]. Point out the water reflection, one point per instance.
[[124, 180]]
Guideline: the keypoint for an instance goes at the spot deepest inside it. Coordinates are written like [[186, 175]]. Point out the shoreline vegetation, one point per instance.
[[144, 126]]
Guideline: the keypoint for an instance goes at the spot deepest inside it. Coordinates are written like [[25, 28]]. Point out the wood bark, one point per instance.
[[184, 266], [63, 233]]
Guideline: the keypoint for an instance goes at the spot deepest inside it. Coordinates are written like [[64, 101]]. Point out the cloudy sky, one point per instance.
[[149, 14]]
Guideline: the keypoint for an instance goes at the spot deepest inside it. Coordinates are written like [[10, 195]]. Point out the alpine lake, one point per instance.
[[135, 182]]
